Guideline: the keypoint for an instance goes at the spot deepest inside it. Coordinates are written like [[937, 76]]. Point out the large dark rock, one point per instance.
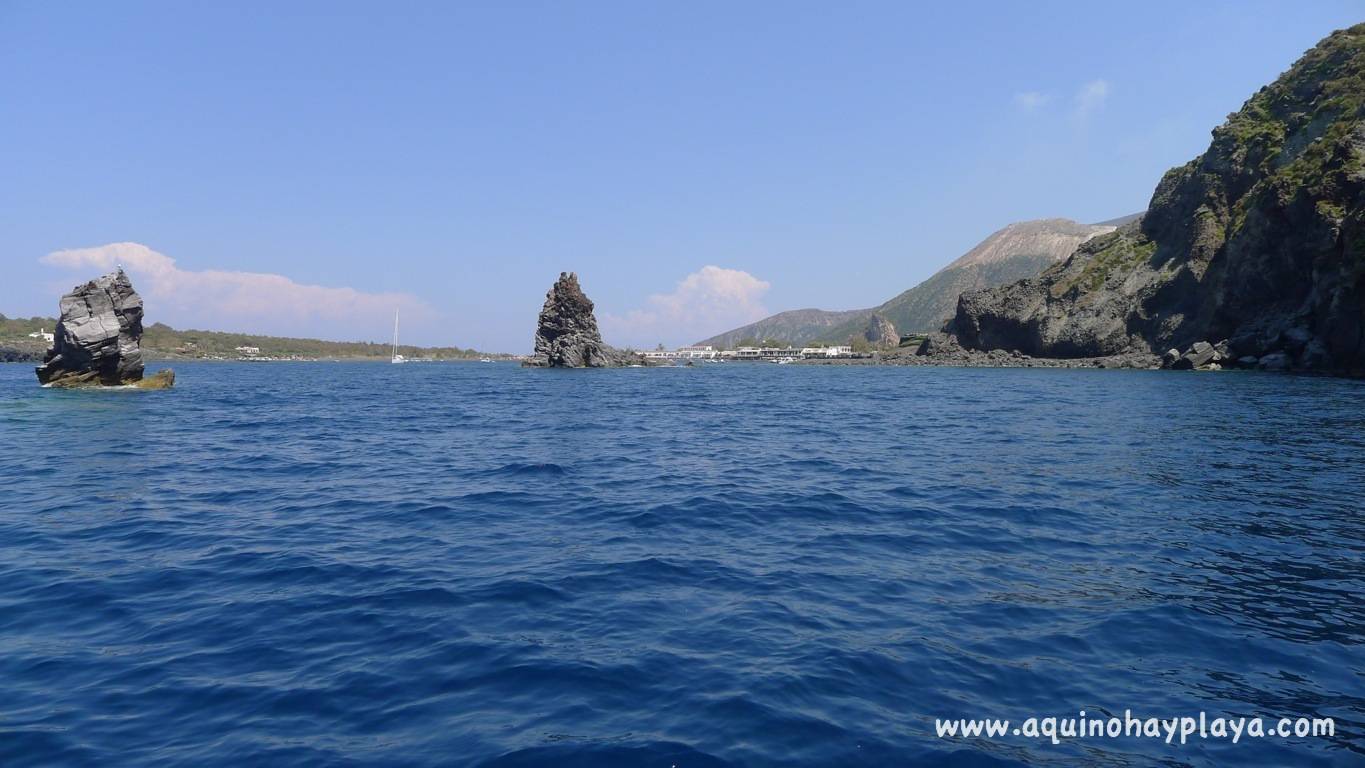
[[98, 338], [567, 335], [1260, 240]]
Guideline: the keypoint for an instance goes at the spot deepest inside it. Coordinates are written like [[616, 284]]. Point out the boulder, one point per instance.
[[1199, 355], [1222, 352], [567, 335], [881, 333], [1295, 339], [1168, 359], [1315, 356], [162, 379], [98, 338], [1275, 361]]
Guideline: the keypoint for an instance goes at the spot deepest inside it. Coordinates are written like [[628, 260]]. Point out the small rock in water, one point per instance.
[[162, 379]]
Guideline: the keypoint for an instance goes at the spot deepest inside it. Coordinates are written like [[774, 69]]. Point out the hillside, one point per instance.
[[797, 326], [1019, 250], [161, 342], [1260, 241]]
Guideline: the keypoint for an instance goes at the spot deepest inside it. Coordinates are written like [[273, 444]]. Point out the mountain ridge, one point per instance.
[[1019, 249]]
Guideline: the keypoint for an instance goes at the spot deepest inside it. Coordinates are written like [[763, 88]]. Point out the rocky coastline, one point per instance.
[[1251, 255], [943, 350]]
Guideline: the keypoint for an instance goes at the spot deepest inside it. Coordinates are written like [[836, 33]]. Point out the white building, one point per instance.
[[248, 351], [697, 353], [44, 335], [684, 353], [826, 352]]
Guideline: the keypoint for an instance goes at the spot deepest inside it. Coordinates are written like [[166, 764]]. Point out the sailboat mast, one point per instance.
[[395, 333]]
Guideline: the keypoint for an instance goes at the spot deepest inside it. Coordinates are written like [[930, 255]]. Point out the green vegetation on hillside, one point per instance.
[[160, 341], [763, 343]]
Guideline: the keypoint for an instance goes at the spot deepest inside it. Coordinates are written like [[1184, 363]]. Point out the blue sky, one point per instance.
[[696, 163]]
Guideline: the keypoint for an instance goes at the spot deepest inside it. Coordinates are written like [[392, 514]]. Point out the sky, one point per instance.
[[309, 168]]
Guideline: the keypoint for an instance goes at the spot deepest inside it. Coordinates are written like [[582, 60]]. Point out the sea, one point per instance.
[[474, 564]]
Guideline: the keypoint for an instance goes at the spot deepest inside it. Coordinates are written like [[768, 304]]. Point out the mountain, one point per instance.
[[1259, 241], [797, 326], [1019, 250], [1120, 221]]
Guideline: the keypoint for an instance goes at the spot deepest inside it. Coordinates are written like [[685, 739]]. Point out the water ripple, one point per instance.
[[722, 566]]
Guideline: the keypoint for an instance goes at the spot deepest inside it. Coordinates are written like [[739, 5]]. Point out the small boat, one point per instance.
[[397, 358], [485, 360]]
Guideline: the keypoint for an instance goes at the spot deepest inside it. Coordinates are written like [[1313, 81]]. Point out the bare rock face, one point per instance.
[[881, 332], [98, 339], [567, 335]]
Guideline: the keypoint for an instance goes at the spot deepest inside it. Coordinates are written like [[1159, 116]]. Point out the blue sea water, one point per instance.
[[736, 565]]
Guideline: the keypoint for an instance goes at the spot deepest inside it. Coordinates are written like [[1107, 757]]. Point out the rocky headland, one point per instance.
[[1251, 255], [567, 334], [97, 342]]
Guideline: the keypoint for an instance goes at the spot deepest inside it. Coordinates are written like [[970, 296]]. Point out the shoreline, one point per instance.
[[997, 358]]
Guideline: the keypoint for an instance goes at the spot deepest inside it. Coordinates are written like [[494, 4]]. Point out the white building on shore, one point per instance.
[[749, 354], [816, 352]]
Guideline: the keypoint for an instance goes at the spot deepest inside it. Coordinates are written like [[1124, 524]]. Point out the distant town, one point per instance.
[[754, 354]]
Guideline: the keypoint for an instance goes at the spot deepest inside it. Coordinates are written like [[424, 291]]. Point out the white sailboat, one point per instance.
[[397, 358]]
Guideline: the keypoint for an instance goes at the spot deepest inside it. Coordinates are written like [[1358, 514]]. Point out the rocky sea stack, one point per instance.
[[567, 335], [98, 338], [1260, 242]]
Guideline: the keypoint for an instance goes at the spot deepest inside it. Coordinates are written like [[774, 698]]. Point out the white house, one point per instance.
[[827, 351], [44, 335]]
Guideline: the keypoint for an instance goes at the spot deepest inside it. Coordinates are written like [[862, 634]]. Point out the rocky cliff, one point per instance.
[[881, 333], [1259, 241], [567, 335], [98, 337]]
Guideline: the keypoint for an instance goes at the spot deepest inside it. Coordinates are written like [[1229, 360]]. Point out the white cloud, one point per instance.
[[253, 302], [706, 302], [1091, 97], [1031, 100]]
